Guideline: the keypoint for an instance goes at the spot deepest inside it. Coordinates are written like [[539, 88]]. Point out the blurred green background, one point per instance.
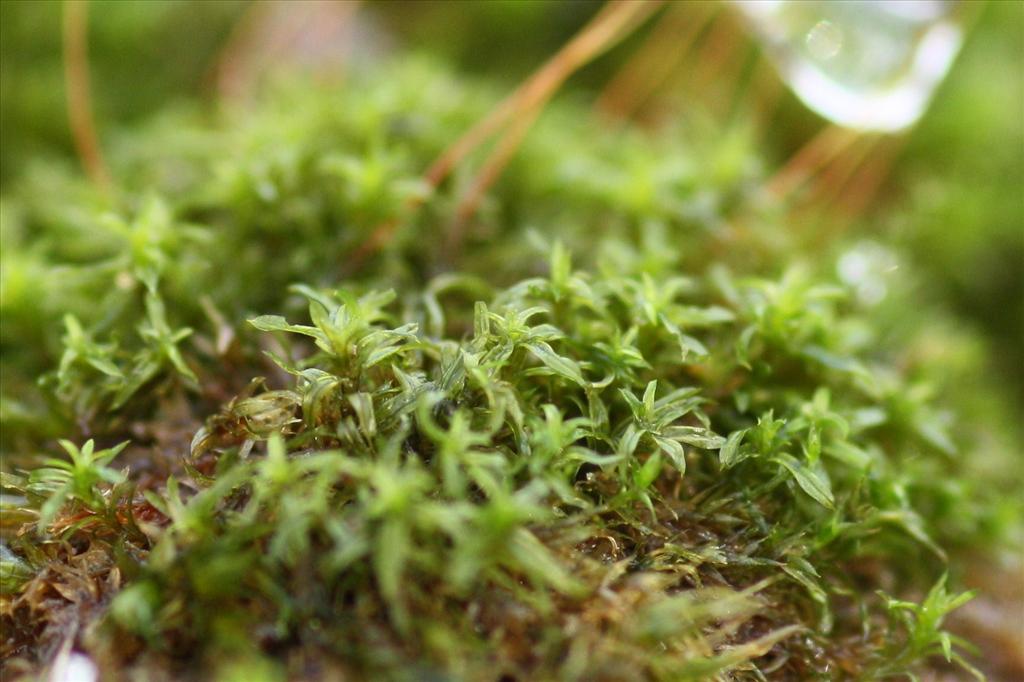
[[953, 204]]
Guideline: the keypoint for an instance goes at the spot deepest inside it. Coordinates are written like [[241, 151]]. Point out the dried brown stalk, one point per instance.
[[78, 92], [612, 23], [271, 31], [833, 179], [652, 64], [818, 152], [869, 178], [766, 89], [716, 60]]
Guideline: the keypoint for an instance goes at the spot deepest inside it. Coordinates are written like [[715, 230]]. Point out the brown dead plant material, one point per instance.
[[663, 50], [269, 32], [616, 20], [78, 92]]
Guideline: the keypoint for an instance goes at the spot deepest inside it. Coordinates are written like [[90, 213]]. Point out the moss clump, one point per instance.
[[697, 455]]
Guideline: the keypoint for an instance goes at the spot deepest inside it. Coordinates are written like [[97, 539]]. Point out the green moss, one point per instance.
[[698, 453]]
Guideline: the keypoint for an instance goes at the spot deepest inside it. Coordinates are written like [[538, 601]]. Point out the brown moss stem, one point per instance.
[[79, 93]]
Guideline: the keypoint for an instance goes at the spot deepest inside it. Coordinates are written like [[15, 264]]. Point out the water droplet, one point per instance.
[[865, 269], [824, 40], [866, 64]]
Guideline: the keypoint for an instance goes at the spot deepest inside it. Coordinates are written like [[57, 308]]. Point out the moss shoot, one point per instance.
[[642, 426]]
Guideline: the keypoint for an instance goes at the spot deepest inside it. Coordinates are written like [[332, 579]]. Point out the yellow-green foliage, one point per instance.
[[697, 453]]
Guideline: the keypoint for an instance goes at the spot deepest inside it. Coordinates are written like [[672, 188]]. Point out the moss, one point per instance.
[[697, 453]]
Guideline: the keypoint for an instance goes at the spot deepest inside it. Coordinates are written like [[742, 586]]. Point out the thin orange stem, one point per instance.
[[809, 159], [848, 201], [716, 51], [766, 92], [869, 179], [596, 37], [834, 178], [668, 43], [611, 23], [266, 31], [227, 73], [78, 92], [489, 173]]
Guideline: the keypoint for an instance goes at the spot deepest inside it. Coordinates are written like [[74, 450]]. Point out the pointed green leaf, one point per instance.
[[730, 455], [561, 366], [811, 481]]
